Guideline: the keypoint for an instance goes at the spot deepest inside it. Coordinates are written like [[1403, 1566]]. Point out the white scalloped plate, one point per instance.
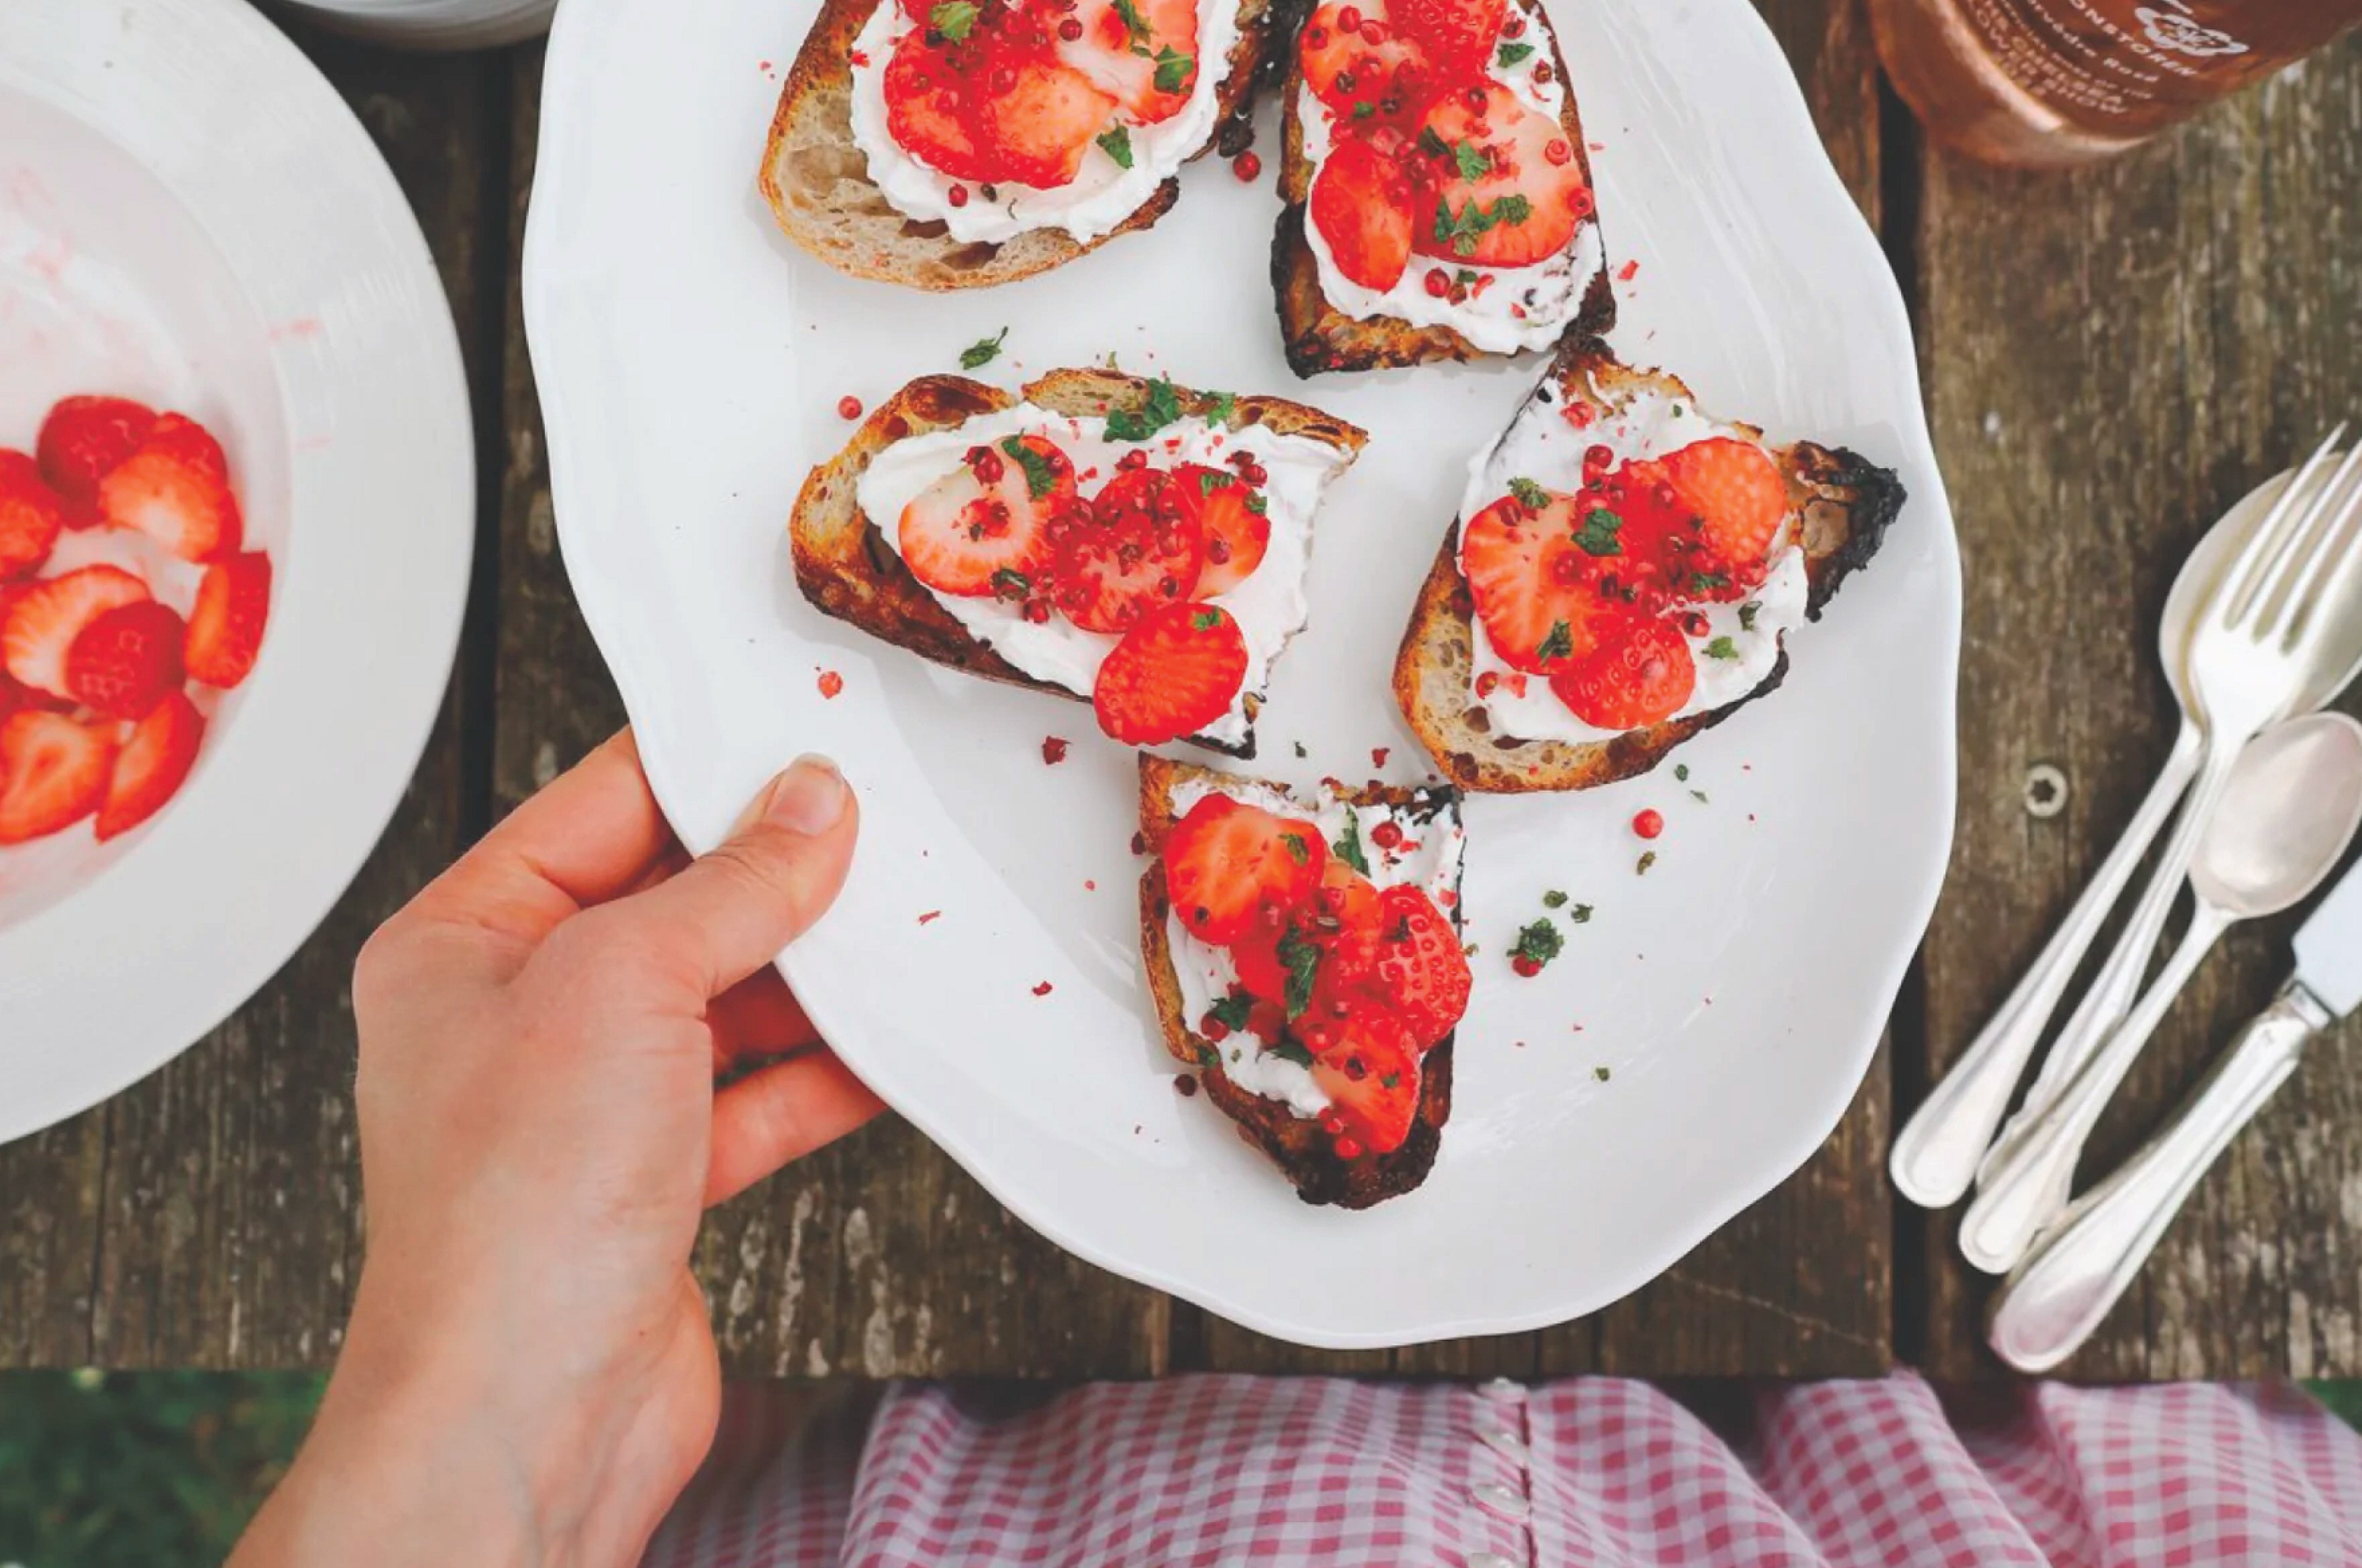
[[691, 363], [190, 214]]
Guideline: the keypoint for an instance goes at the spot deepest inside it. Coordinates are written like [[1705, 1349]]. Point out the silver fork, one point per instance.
[[2248, 658]]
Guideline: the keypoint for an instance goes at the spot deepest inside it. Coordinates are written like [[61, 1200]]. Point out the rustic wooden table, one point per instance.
[[2111, 358]]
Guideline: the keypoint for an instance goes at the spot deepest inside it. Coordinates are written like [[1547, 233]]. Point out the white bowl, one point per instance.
[[431, 24], [690, 361], [190, 214]]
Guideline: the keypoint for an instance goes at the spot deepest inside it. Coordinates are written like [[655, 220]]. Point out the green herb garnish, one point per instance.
[[1598, 534], [1207, 621], [953, 19], [1349, 847], [1511, 53], [1135, 24], [983, 351], [1225, 409], [1554, 899], [1365, 109], [1233, 1010], [1117, 144], [1721, 647], [1301, 959], [1530, 496], [1040, 478], [1011, 583], [1163, 408], [1558, 643], [1747, 613], [1579, 914], [1708, 581], [1540, 941], [1172, 70], [1475, 162], [1645, 861], [1289, 1051]]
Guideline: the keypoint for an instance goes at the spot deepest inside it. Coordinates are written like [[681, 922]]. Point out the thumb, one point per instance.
[[733, 911]]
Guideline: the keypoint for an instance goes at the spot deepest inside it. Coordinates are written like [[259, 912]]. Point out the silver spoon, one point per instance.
[[2292, 807], [1936, 1156]]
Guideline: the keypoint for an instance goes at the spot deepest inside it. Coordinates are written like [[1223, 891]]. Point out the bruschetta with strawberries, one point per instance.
[[1304, 957], [957, 144], [1439, 204], [1624, 573], [1132, 544]]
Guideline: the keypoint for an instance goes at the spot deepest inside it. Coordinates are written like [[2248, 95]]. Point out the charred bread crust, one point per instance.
[[1296, 1146], [1845, 505], [847, 572], [817, 179], [1318, 336]]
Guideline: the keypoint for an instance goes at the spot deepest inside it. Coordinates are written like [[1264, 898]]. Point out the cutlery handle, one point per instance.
[[1935, 1158], [2119, 979], [2067, 1285], [2022, 1192]]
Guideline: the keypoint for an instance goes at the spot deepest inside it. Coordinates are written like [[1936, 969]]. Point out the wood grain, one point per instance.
[[2114, 357]]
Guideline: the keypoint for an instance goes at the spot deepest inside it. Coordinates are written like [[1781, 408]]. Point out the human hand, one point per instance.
[[529, 1374]]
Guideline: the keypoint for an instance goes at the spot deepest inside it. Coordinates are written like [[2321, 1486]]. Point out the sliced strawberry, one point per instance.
[[125, 661], [1174, 673], [1415, 967], [927, 109], [82, 441], [1367, 74], [1137, 545], [1235, 522], [1226, 863], [983, 530], [1371, 1076], [1365, 209], [1457, 35], [44, 622], [31, 515], [1503, 187], [152, 766], [1640, 674], [54, 773], [227, 622], [1538, 589], [1037, 119], [1150, 68], [175, 489], [1738, 490]]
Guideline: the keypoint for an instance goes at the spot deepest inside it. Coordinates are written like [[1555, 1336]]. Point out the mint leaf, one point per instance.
[[1135, 24], [1233, 1010], [1530, 496], [1721, 647], [1349, 848], [1301, 959], [1540, 941], [1163, 408], [1297, 850], [1289, 1051], [953, 18], [1225, 409], [1554, 899], [1511, 53], [1172, 70], [1598, 534], [1475, 162], [1747, 613], [1558, 644], [1010, 583], [1117, 144], [1040, 478], [984, 350]]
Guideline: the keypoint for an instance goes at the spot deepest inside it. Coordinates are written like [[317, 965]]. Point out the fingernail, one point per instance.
[[808, 798]]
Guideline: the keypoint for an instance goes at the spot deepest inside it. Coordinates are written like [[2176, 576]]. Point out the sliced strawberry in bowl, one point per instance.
[[1642, 673], [152, 766], [929, 105], [84, 439], [1365, 210], [1457, 35], [54, 773], [1503, 187], [128, 659], [31, 514], [44, 620], [1539, 577], [1174, 675], [227, 622], [1231, 867], [1037, 116], [1143, 53], [1136, 546], [1235, 520], [1370, 1073], [984, 529], [175, 489], [1737, 490]]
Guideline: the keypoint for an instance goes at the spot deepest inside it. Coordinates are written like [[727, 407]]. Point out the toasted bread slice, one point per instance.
[[1297, 1146], [1842, 504], [1320, 336], [847, 572], [817, 178]]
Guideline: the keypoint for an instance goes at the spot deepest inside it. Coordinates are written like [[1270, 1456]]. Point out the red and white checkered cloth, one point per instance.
[[1595, 1473]]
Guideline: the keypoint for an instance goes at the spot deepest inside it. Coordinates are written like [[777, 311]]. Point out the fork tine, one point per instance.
[[2326, 574], [2275, 537]]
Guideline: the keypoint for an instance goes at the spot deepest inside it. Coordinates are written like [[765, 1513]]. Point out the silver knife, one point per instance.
[[2074, 1275]]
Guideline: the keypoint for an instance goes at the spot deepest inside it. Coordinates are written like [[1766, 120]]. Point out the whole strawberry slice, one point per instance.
[[43, 623], [54, 773], [1226, 864], [984, 529], [1137, 545], [1535, 570], [1366, 83], [1502, 185], [928, 106], [124, 662], [152, 766], [1737, 489], [1640, 674], [175, 489], [1174, 674], [1364, 206], [82, 441], [225, 623], [1456, 36], [1370, 1074], [1037, 117], [1235, 521], [1417, 967], [31, 515]]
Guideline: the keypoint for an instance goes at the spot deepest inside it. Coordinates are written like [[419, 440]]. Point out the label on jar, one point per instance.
[[2101, 60]]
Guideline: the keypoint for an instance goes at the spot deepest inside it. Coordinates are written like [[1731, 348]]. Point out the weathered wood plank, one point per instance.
[[879, 1256], [230, 1198], [2114, 357]]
